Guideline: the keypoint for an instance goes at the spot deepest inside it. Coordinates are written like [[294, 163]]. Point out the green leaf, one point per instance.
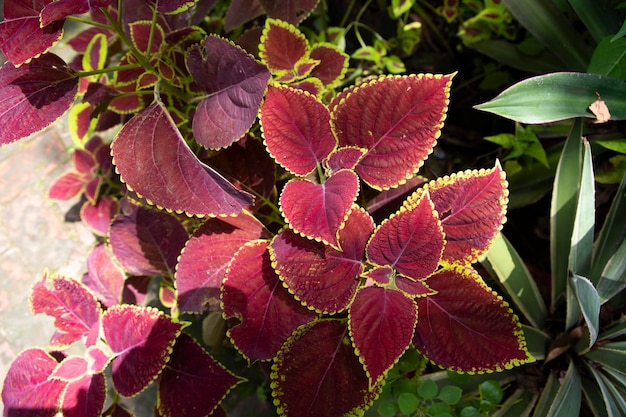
[[609, 58], [427, 389], [563, 208], [504, 262], [613, 401], [518, 404], [450, 394], [593, 395], [616, 329], [368, 53], [589, 304], [598, 16], [548, 393], [408, 403], [545, 22], [566, 402], [613, 279], [617, 145], [558, 96], [620, 33], [611, 355], [399, 7], [470, 411], [491, 391], [537, 342], [387, 409], [511, 55]]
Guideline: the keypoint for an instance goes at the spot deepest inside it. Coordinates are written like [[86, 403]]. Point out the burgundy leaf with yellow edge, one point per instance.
[[411, 287], [282, 46], [296, 129], [234, 83], [75, 310], [382, 322], [145, 36], [466, 326], [397, 119], [85, 397], [28, 388], [60, 9], [411, 241], [317, 374], [22, 36], [253, 294], [472, 209], [98, 216], [147, 241], [103, 277], [343, 158], [34, 95], [332, 65], [320, 276], [203, 262], [318, 211], [154, 160], [193, 383], [141, 339]]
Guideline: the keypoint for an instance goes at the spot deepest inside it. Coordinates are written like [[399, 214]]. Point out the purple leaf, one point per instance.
[[154, 160], [240, 12], [34, 96], [296, 129], [203, 262], [60, 9], [234, 83], [193, 383], [382, 322], [292, 11], [103, 277], [84, 397], [147, 242], [253, 293], [320, 276], [142, 340], [98, 216], [74, 308]]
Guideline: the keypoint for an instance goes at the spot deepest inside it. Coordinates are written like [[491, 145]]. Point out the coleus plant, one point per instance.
[[235, 188]]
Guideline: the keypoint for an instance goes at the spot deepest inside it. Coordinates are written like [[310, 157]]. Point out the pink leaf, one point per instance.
[[382, 322], [154, 160], [397, 119], [320, 276], [296, 129], [253, 293], [344, 158], [466, 326], [318, 211], [142, 340], [71, 368], [67, 186], [103, 277], [74, 308], [85, 397], [203, 262], [98, 216]]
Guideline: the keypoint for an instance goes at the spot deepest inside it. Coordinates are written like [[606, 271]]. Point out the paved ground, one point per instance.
[[33, 237]]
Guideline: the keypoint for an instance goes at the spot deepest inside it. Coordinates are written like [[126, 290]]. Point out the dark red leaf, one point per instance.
[[317, 374], [332, 65], [153, 159], [22, 37], [84, 161], [60, 9], [344, 158], [282, 46], [318, 211], [380, 275], [472, 208], [103, 277], [382, 322], [240, 12], [411, 241], [98, 217], [92, 189], [234, 83], [296, 129], [85, 397], [147, 242], [466, 326], [143, 35], [397, 119], [81, 40], [253, 293], [27, 389], [67, 186], [292, 11], [174, 7], [310, 85], [142, 340], [74, 308], [320, 276], [192, 383], [34, 96], [203, 262], [412, 287]]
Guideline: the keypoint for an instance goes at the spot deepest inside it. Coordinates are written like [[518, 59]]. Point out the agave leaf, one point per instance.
[[612, 355], [504, 262], [518, 404], [613, 279], [509, 54], [614, 330], [558, 96], [567, 400], [588, 302], [613, 400], [598, 16], [537, 342]]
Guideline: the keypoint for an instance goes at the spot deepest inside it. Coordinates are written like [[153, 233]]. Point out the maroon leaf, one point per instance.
[[382, 322], [253, 293], [154, 160], [472, 208], [296, 129], [98, 216], [34, 96], [203, 262], [282, 46], [412, 287], [234, 83], [380, 276], [60, 9], [147, 242], [142, 340], [193, 383], [85, 397], [22, 37], [67, 186], [74, 308], [320, 276], [466, 326], [344, 158], [411, 241], [240, 12], [317, 374], [397, 119], [174, 7], [27, 389], [332, 65], [103, 277], [143, 35], [318, 211], [292, 11]]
